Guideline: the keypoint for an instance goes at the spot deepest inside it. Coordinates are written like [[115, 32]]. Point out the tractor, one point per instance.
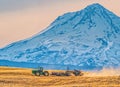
[[39, 72]]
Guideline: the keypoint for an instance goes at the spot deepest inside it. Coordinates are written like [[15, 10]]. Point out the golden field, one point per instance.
[[19, 77]]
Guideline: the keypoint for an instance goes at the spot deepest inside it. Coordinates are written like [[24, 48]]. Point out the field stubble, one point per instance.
[[18, 77]]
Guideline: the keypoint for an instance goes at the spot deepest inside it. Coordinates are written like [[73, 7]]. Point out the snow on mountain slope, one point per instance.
[[86, 38]]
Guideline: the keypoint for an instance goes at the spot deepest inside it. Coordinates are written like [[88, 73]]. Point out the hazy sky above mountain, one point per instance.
[[20, 19]]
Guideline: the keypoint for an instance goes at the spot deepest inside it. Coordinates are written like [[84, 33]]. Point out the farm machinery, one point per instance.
[[68, 73], [40, 71]]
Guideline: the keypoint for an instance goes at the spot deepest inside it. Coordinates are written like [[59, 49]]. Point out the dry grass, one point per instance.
[[17, 77]]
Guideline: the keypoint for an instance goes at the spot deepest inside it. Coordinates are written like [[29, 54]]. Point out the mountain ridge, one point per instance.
[[85, 38]]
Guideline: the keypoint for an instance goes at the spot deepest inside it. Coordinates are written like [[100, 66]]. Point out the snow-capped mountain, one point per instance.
[[89, 38]]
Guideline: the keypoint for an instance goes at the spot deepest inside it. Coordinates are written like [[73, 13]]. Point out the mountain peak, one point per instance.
[[95, 5], [94, 8], [90, 9]]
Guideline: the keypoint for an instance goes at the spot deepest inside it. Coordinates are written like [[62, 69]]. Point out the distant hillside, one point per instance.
[[89, 39]]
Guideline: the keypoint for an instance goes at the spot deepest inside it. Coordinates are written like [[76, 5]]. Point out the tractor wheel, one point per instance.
[[37, 74], [46, 73]]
